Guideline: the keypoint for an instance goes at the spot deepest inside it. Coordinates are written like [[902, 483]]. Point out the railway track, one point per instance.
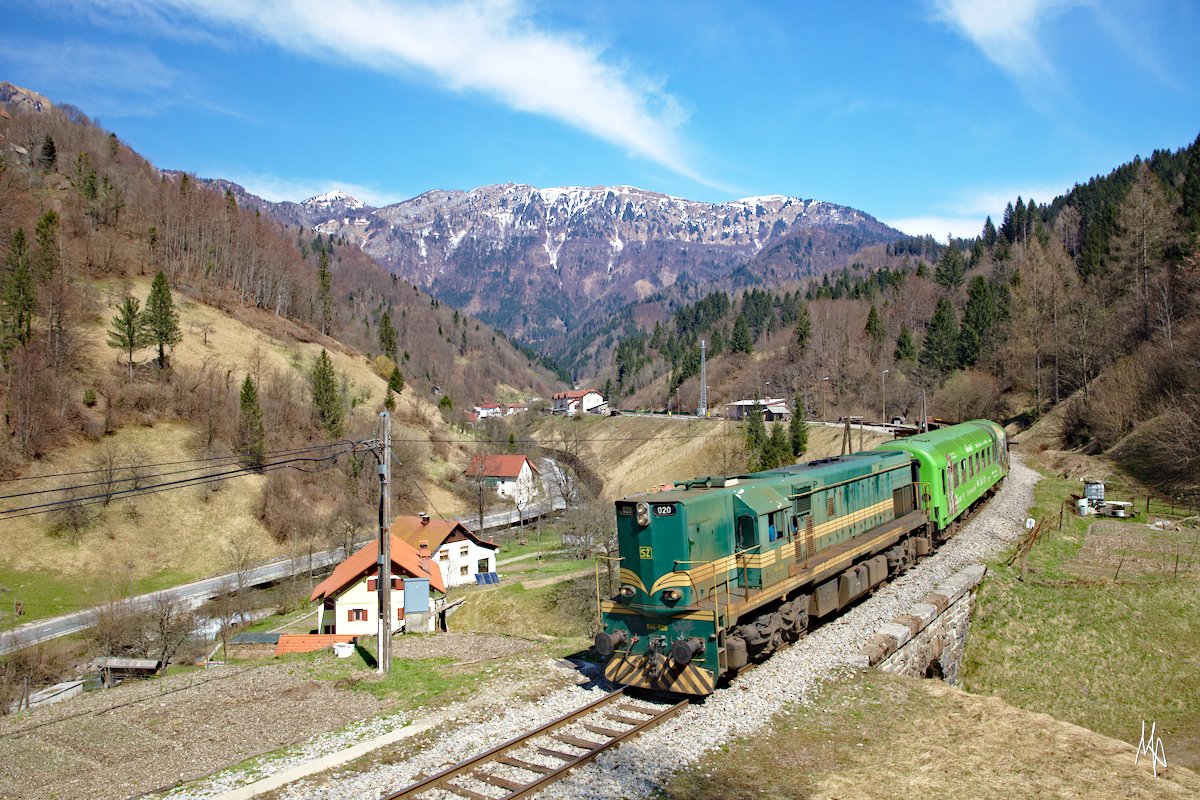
[[528, 763]]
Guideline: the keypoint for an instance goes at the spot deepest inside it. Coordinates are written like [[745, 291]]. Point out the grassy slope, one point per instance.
[[637, 454], [1091, 642], [873, 735], [170, 538]]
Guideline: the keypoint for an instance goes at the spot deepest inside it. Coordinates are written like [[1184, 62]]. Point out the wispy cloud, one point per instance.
[[964, 213], [493, 47], [75, 69], [278, 189], [1006, 32]]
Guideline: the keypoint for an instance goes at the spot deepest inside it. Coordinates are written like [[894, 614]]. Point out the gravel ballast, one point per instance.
[[638, 767]]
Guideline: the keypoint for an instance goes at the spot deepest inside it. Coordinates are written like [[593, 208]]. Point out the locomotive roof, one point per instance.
[[819, 471]]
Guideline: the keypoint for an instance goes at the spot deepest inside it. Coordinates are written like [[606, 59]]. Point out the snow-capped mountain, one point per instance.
[[533, 261]]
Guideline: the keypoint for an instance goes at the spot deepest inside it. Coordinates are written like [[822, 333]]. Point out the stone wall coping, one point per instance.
[[893, 635], [901, 633]]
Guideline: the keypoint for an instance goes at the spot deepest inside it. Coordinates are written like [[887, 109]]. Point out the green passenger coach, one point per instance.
[[720, 571]]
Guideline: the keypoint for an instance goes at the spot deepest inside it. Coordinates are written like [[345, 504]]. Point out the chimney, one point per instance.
[[423, 557], [424, 518]]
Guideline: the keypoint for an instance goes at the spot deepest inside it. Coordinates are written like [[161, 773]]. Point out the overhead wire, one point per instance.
[[181, 483], [226, 458]]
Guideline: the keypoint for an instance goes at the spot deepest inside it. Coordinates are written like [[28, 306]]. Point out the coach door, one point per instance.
[[802, 523]]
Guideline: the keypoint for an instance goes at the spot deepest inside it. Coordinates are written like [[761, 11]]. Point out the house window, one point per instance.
[[396, 583], [444, 555], [372, 584], [464, 569], [356, 615], [464, 550], [482, 566]]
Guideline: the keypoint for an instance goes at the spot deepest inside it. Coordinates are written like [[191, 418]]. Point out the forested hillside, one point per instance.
[[1089, 300], [253, 337]]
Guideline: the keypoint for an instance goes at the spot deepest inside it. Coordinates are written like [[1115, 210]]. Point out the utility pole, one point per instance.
[[824, 382], [702, 410], [883, 390], [383, 582]]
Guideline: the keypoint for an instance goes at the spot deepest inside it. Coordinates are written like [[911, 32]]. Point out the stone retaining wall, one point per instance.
[[928, 641]]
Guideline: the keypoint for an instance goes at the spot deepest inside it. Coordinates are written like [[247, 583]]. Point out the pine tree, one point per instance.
[[756, 433], [327, 400], [776, 450], [16, 296], [395, 381], [161, 319], [1190, 210], [251, 434], [906, 351], [45, 256], [939, 353], [803, 326], [126, 331], [48, 156], [741, 341], [798, 428], [950, 269], [989, 233], [875, 332], [979, 321], [325, 287], [387, 336], [389, 400]]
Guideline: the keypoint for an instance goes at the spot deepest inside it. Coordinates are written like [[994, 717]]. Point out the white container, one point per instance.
[[343, 649], [1082, 507], [1094, 491]]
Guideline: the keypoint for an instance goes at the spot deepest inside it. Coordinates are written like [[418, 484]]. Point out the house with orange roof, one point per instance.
[[349, 597], [454, 548], [513, 476]]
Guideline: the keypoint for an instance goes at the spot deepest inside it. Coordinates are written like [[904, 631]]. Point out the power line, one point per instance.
[[182, 483], [228, 458]]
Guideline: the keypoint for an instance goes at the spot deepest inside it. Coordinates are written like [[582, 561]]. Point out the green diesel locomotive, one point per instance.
[[720, 571]]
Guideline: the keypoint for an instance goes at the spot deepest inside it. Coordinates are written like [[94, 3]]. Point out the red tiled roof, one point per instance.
[[433, 533], [573, 395], [308, 642], [404, 556], [506, 466], [488, 405]]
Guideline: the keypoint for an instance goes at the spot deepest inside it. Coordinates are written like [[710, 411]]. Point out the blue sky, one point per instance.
[[928, 114]]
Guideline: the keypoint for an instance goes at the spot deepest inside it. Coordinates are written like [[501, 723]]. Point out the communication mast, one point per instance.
[[702, 410]]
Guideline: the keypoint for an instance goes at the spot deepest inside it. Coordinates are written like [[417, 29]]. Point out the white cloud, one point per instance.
[[278, 189], [938, 226], [487, 46], [1006, 31], [963, 215]]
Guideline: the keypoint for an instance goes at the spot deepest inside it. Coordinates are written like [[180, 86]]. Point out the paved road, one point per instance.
[[194, 594], [197, 593]]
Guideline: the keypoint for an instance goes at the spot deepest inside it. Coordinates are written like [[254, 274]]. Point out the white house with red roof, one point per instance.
[[350, 596], [578, 401], [513, 476], [485, 410], [457, 551]]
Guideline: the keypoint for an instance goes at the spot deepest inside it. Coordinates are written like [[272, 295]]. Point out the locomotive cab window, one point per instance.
[[747, 536]]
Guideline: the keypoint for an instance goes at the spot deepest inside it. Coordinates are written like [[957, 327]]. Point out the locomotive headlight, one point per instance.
[[671, 595], [626, 591], [643, 514]]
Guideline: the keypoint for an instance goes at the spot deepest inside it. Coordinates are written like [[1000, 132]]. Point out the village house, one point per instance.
[[775, 409], [579, 401], [485, 410], [454, 548], [350, 599], [513, 476]]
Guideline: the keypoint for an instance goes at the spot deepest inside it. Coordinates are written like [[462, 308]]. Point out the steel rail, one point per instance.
[[545, 775]]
